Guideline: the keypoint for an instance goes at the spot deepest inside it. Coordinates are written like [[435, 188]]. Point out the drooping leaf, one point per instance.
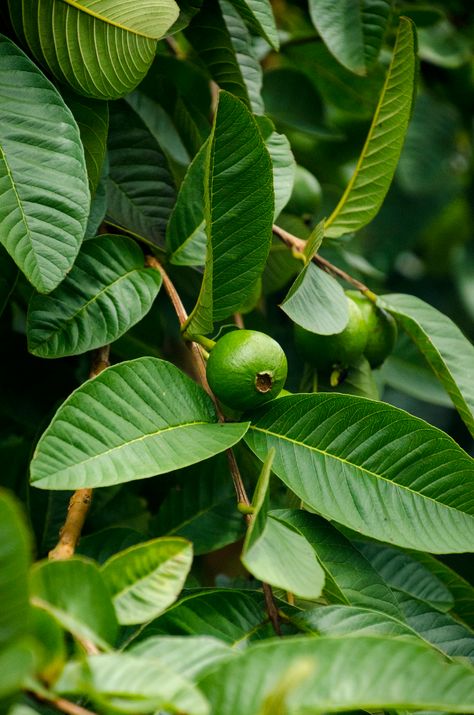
[[136, 419], [367, 673], [277, 553], [219, 36], [407, 575], [201, 507], [186, 231], [379, 470], [353, 31], [238, 213], [74, 592], [14, 563], [375, 168], [350, 578], [229, 615], [449, 354], [92, 118], [284, 166], [110, 45], [145, 579], [190, 656], [43, 185], [107, 291], [258, 15], [317, 302], [141, 191], [126, 684]]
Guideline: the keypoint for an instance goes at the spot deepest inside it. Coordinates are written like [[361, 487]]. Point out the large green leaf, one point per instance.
[[350, 578], [110, 45], [313, 287], [276, 553], [353, 31], [258, 15], [444, 347], [141, 191], [238, 212], [406, 574], [220, 37], [351, 621], [229, 615], [136, 419], [189, 656], [14, 563], [107, 291], [376, 165], [122, 683], [343, 673], [75, 593], [92, 118], [200, 506], [43, 185], [379, 470], [147, 578]]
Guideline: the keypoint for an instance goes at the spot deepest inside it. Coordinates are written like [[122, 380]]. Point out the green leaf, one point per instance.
[[122, 683], [313, 287], [219, 36], [17, 661], [293, 102], [349, 673], [449, 354], [284, 166], [101, 545], [134, 420], [351, 621], [50, 644], [190, 656], [440, 629], [75, 593], [238, 212], [107, 291], [353, 31], [229, 615], [147, 578], [186, 231], [376, 166], [110, 45], [201, 507], [350, 578], [276, 554], [15, 557], [407, 575], [8, 277], [358, 381], [380, 471], [258, 15], [43, 186], [92, 118], [141, 191]]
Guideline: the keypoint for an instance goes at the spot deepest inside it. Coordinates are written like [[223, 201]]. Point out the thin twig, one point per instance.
[[239, 321], [66, 706], [239, 487], [80, 501], [298, 243]]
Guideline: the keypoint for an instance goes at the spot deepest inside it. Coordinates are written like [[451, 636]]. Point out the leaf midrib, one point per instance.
[[77, 6], [395, 485]]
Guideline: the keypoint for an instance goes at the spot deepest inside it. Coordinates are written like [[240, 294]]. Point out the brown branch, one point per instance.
[[66, 706], [80, 501], [272, 610], [299, 244]]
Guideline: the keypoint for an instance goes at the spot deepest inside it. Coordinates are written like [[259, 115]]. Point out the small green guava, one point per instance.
[[334, 352], [246, 368], [382, 329]]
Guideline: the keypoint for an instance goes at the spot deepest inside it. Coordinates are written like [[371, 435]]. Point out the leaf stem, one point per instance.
[[294, 242], [66, 706], [80, 501]]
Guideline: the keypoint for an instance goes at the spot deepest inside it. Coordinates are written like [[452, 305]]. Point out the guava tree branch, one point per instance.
[[66, 706], [298, 244], [239, 487], [80, 501]]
